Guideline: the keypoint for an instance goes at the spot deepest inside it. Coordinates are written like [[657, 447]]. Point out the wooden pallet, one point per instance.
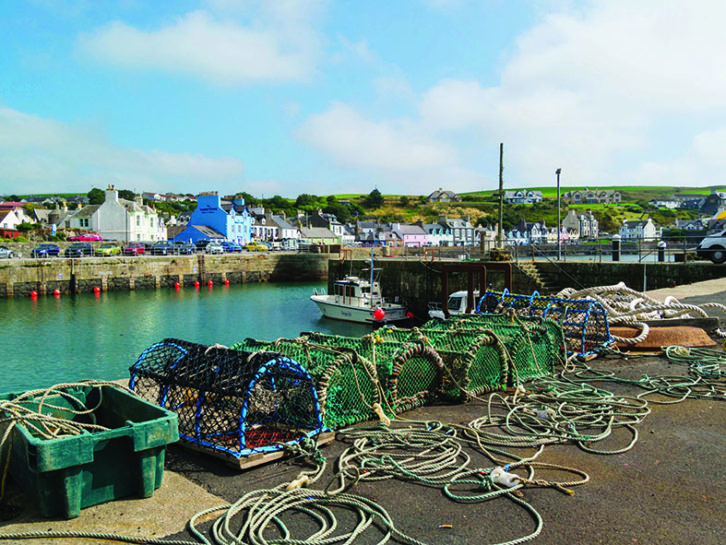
[[253, 460]]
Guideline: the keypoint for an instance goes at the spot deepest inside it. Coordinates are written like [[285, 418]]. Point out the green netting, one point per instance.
[[410, 373], [475, 362], [346, 382], [534, 345]]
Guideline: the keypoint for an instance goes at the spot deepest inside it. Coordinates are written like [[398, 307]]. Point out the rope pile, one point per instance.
[[629, 307]]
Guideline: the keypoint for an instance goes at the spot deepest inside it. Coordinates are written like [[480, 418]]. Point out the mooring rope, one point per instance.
[[630, 307]]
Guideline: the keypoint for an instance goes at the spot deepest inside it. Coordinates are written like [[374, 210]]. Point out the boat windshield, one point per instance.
[[455, 303]]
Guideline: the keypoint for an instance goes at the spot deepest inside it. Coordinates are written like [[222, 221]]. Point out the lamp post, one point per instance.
[[559, 232]]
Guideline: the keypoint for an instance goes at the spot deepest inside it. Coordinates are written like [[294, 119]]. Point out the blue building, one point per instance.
[[231, 220]]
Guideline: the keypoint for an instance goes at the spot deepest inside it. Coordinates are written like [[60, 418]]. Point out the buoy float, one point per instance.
[[226, 282], [210, 283], [196, 285], [56, 293], [34, 294], [176, 285], [96, 290], [379, 314]]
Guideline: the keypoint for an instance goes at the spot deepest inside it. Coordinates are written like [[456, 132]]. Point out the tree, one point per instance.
[[374, 199], [249, 199], [340, 211], [127, 194], [306, 200], [405, 201], [96, 196]]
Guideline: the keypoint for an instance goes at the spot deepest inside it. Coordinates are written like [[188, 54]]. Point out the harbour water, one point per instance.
[[53, 340]]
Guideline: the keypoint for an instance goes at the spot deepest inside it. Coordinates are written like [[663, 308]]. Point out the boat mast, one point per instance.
[[371, 288]]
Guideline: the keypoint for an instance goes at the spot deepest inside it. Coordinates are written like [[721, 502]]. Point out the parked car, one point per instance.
[[108, 249], [184, 248], [713, 247], [45, 250], [163, 247], [256, 247], [214, 248], [230, 246], [86, 236], [6, 252], [79, 249], [134, 248], [201, 244]]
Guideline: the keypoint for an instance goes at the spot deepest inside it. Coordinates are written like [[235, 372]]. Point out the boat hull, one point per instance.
[[361, 315]]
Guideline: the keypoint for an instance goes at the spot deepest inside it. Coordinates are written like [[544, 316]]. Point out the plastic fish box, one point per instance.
[[66, 474]]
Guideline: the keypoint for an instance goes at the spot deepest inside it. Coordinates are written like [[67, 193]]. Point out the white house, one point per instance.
[[644, 230], [523, 196], [10, 219], [119, 219]]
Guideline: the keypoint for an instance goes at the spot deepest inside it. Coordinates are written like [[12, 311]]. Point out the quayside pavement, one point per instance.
[[669, 488]]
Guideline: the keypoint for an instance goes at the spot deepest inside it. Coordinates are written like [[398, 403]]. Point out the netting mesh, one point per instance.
[[231, 401], [347, 383], [409, 372], [583, 321], [475, 362]]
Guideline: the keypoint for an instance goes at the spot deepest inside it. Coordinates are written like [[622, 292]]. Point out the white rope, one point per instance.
[[627, 306]]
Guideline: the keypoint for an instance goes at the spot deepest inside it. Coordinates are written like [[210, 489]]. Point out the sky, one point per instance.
[[345, 96]]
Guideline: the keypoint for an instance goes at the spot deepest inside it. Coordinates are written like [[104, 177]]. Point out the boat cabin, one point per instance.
[[353, 290]]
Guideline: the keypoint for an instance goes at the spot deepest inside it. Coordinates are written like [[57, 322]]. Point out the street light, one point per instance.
[[559, 234]]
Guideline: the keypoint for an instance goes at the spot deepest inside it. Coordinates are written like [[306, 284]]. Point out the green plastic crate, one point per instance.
[[66, 474]]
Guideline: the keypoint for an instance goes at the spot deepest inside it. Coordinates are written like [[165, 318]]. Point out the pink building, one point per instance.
[[411, 235]]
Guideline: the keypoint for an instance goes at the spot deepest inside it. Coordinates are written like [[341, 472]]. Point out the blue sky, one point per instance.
[[323, 96]]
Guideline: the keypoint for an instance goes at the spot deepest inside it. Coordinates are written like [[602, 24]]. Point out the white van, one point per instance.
[[713, 247]]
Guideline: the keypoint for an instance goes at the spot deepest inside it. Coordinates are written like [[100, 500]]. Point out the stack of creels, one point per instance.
[[347, 384], [229, 401], [410, 373], [476, 361], [584, 322]]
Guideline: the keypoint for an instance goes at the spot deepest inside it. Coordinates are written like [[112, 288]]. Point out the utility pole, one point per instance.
[[500, 229], [559, 221]]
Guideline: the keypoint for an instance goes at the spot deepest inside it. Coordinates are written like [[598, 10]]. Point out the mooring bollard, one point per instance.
[[616, 248], [661, 251]]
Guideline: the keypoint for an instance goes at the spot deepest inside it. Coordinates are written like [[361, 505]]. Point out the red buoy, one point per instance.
[[226, 282], [176, 285], [56, 293], [210, 283], [379, 314], [196, 285], [96, 290], [34, 294]]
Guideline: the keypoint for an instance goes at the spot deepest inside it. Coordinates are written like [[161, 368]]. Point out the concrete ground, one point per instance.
[[670, 488]]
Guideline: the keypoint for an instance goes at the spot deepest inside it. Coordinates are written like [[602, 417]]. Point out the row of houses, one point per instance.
[[708, 205]]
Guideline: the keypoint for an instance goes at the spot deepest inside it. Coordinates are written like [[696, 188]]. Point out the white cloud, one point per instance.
[[586, 91], [355, 141], [278, 45], [40, 155]]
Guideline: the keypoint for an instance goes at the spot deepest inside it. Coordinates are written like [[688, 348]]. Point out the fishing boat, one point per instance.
[[456, 304], [356, 299]]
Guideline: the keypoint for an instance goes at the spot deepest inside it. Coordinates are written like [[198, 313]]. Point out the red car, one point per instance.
[[134, 248], [86, 237]]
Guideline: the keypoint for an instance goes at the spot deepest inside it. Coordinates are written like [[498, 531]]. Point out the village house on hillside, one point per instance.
[[441, 195], [592, 196], [522, 196]]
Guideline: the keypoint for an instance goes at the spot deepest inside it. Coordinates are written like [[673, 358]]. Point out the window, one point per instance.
[[138, 221]]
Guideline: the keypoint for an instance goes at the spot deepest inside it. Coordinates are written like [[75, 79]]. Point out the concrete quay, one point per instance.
[[670, 488]]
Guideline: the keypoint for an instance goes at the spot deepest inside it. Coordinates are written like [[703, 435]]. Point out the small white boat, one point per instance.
[[456, 304], [354, 299]]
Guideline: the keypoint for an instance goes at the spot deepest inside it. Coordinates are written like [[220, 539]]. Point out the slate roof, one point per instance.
[[87, 211]]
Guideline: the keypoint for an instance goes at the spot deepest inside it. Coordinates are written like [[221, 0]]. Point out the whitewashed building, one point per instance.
[[643, 230], [119, 219]]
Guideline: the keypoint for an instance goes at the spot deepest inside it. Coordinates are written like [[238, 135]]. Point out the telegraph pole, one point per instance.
[[500, 231]]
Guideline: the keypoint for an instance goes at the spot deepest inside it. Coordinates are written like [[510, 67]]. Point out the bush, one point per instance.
[[20, 239]]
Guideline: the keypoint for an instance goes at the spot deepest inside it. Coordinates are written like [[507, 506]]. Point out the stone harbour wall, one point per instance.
[[20, 277]]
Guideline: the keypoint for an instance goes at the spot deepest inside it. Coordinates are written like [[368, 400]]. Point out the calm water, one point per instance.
[[53, 340]]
